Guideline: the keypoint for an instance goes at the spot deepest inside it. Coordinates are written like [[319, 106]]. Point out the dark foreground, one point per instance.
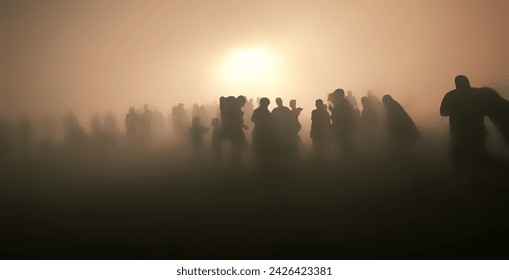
[[157, 207]]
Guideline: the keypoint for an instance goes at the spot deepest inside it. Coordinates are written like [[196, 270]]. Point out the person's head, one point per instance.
[[241, 99], [462, 82], [181, 105], [349, 93], [293, 103], [336, 95], [279, 102], [319, 104], [196, 121], [215, 122], [387, 100], [131, 109], [145, 107], [196, 106], [264, 102]]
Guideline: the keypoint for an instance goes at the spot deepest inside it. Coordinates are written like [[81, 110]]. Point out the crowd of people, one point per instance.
[[339, 126]]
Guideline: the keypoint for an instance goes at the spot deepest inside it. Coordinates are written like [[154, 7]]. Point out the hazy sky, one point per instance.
[[97, 55]]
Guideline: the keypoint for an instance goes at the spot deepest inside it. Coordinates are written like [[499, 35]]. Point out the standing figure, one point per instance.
[[463, 106], [342, 117], [132, 121], [263, 134], [401, 129], [320, 128], [217, 138], [197, 132]]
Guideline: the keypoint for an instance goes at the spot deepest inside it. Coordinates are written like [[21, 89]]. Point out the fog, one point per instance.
[[379, 183], [90, 56]]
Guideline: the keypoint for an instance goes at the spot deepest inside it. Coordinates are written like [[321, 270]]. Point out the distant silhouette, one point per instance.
[[401, 129], [132, 124], [284, 131], [296, 126], [263, 134], [342, 117], [197, 132], [465, 110], [74, 134], [232, 119], [180, 120], [351, 99], [217, 138], [320, 128], [146, 124]]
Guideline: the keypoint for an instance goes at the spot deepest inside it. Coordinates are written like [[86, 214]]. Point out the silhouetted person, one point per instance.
[[284, 131], [401, 129], [232, 119], [146, 124], [180, 120], [320, 128], [463, 106], [217, 138], [342, 120], [197, 132], [296, 127], [263, 145], [351, 99], [132, 121], [74, 133]]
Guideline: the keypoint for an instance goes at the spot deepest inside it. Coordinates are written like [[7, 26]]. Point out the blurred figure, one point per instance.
[[232, 118], [320, 128], [74, 133], [296, 127], [132, 121], [342, 117], [401, 129], [352, 100], [463, 106], [197, 132], [283, 121], [262, 134], [146, 124], [217, 138], [180, 120]]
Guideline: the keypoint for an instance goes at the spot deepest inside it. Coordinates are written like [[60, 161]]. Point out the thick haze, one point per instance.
[[107, 55]]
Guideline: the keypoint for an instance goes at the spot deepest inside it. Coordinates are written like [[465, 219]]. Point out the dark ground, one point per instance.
[[153, 206]]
